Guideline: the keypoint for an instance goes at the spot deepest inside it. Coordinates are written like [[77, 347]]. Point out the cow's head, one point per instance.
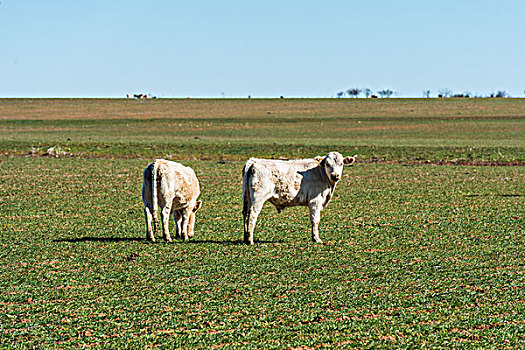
[[332, 164], [191, 221]]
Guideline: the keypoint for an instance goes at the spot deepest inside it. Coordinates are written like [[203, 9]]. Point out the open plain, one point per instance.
[[423, 240]]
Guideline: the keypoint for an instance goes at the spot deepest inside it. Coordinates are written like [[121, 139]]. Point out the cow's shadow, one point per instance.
[[141, 239], [100, 239]]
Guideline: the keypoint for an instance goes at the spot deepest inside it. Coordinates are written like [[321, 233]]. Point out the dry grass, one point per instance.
[[68, 109], [466, 131]]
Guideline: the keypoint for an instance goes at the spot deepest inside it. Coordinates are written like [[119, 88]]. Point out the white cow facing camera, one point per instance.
[[303, 182]]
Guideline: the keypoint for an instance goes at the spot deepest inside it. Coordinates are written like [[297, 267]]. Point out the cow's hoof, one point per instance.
[[248, 242]]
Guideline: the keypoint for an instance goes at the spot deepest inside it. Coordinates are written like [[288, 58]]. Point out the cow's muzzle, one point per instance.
[[335, 177]]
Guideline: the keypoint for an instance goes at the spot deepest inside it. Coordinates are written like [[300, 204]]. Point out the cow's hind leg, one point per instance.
[[177, 217], [150, 236], [185, 214], [165, 217], [251, 218], [246, 214]]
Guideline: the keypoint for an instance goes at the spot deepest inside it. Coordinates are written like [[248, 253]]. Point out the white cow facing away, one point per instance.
[[174, 188], [304, 182]]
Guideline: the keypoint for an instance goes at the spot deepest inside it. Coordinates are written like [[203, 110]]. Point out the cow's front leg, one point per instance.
[[149, 219], [165, 217], [315, 217], [177, 217]]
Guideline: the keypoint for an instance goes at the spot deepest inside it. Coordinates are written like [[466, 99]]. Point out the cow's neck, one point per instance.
[[332, 189], [331, 186], [329, 182]]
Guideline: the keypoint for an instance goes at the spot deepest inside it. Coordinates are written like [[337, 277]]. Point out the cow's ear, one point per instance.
[[320, 160], [349, 160], [197, 206]]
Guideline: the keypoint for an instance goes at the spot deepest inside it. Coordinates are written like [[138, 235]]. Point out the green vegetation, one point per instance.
[[416, 255], [465, 131]]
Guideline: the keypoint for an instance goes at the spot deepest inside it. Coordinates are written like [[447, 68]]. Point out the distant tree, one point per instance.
[[385, 93], [444, 92], [501, 94], [353, 92], [464, 95], [367, 92], [340, 94], [426, 93]]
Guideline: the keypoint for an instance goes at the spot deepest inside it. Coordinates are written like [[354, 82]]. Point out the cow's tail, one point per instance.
[[247, 173], [154, 197]]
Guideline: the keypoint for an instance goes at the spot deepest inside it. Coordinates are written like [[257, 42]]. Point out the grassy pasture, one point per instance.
[[465, 131], [415, 254]]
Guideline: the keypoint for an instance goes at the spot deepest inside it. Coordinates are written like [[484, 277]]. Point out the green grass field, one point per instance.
[[418, 252]]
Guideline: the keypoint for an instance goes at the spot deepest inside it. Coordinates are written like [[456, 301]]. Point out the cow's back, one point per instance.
[[282, 167], [282, 180], [177, 183]]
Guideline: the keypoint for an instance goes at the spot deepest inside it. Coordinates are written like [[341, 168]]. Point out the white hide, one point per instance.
[[174, 188], [306, 182]]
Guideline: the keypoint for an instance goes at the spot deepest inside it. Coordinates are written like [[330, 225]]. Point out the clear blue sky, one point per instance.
[[107, 48]]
